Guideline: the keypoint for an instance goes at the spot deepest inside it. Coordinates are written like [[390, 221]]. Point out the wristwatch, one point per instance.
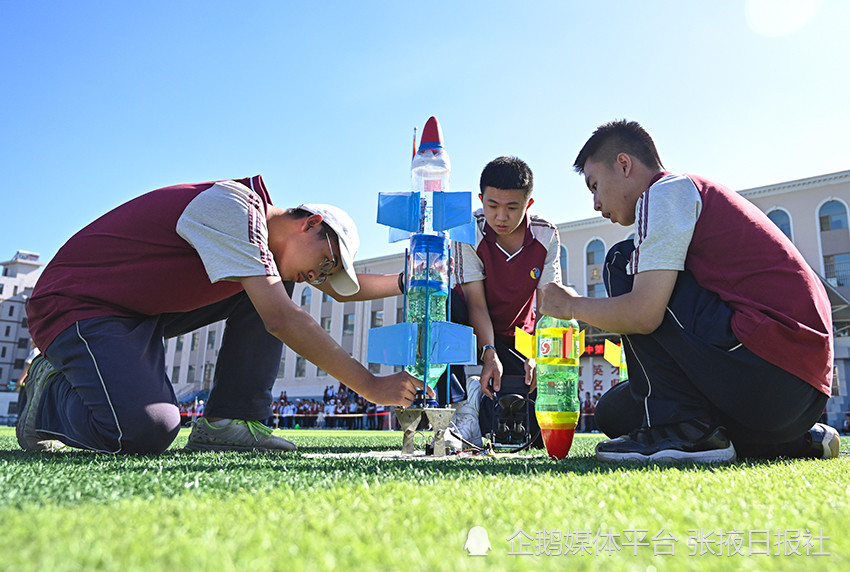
[[485, 348]]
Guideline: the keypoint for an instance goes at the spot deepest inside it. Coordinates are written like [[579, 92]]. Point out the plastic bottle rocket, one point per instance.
[[556, 346], [428, 261], [429, 216]]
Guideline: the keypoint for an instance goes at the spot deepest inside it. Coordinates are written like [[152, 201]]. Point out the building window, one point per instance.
[[23, 343], [300, 367], [194, 341], [281, 369], [190, 374], [179, 346], [375, 368], [377, 318], [595, 252], [596, 291], [326, 323], [565, 259], [781, 219], [348, 325], [837, 269], [832, 216], [175, 374], [25, 323], [8, 330], [399, 314], [11, 311], [19, 363], [211, 340], [3, 352], [321, 373], [306, 296], [326, 297]]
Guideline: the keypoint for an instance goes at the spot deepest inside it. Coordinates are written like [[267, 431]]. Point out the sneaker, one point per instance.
[[694, 441], [39, 377], [463, 433], [825, 443], [238, 435], [465, 429]]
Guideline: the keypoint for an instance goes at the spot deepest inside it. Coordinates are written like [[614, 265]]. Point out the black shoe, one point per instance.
[[688, 441], [40, 375], [823, 442]]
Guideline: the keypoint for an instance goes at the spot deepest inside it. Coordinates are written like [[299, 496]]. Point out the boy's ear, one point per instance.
[[312, 221], [624, 162]]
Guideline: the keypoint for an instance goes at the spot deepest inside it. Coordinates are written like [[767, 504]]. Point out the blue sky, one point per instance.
[[101, 101]]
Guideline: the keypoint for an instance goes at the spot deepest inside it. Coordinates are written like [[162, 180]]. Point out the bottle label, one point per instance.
[[556, 346], [549, 347]]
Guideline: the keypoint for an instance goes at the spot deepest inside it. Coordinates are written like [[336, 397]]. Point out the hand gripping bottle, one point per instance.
[[557, 347]]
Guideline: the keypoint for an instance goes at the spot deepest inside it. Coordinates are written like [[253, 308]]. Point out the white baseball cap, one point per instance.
[[345, 282]]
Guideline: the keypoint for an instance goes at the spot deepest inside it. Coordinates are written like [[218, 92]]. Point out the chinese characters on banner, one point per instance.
[[595, 375]]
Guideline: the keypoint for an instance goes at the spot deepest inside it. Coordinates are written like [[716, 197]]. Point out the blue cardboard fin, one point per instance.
[[464, 233], [399, 210], [452, 209], [397, 235], [393, 345], [452, 343]]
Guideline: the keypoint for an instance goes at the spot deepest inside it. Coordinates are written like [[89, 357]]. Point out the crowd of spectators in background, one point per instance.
[[340, 408], [587, 420]]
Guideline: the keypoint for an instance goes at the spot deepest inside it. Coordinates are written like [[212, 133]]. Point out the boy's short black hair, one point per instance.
[[507, 173], [617, 137]]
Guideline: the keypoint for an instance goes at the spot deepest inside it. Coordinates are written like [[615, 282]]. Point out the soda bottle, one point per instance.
[[427, 296], [557, 405]]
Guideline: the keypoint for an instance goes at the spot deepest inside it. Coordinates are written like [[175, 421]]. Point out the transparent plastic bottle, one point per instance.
[[430, 171], [557, 406], [427, 297]]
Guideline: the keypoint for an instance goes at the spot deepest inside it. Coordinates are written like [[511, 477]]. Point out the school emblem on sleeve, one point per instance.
[[535, 273]]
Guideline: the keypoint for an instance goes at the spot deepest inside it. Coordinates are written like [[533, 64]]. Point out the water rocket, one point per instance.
[[429, 216], [558, 347]]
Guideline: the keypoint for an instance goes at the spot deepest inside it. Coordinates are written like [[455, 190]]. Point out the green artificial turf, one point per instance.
[[251, 511]]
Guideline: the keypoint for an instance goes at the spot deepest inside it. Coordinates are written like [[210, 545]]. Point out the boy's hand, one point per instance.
[[556, 300], [531, 374], [396, 389], [491, 375]]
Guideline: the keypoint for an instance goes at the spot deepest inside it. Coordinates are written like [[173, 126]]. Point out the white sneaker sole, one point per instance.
[[726, 455]]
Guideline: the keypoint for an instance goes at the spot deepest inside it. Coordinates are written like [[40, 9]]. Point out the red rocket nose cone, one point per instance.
[[432, 133]]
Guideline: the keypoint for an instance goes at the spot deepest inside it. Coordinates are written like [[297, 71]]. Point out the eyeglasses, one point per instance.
[[327, 265]]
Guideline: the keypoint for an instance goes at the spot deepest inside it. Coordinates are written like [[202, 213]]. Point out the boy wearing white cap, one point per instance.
[[167, 263]]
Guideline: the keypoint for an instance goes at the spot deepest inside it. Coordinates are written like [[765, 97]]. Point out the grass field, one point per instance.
[[249, 511]]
